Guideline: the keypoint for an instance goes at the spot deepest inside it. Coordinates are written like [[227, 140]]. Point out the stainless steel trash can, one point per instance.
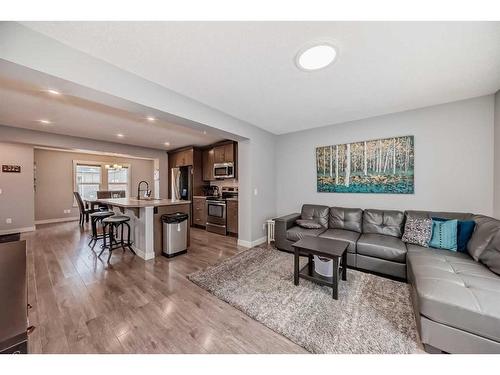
[[174, 234]]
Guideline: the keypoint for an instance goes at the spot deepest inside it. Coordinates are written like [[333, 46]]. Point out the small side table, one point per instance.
[[326, 248]]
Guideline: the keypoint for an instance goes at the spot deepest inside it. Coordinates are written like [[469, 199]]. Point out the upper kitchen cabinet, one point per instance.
[[181, 158], [229, 152], [208, 164], [224, 153], [219, 153]]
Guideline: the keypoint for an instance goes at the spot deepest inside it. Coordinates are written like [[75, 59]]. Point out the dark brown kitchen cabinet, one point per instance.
[[220, 154], [208, 164], [232, 216], [229, 153], [182, 158], [199, 211]]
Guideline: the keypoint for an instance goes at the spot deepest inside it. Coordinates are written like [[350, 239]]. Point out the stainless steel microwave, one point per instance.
[[224, 170]]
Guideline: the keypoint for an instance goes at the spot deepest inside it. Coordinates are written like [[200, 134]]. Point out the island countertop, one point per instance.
[[136, 203]]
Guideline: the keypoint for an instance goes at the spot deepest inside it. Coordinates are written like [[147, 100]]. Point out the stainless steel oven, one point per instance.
[[216, 215], [223, 170]]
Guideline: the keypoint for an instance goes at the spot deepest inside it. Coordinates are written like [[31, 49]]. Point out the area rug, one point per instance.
[[372, 315]]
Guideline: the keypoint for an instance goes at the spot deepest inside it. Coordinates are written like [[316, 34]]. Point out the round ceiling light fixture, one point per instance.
[[316, 57]]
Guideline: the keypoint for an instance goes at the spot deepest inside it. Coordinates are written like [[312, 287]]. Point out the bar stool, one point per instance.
[[95, 219], [113, 224]]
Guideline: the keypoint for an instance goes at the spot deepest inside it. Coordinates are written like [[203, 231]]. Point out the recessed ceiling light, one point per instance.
[[204, 132], [167, 143], [119, 135], [45, 122], [316, 57], [53, 92], [150, 119]]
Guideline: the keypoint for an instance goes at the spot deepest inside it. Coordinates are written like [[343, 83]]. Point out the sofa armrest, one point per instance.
[[281, 225], [288, 220]]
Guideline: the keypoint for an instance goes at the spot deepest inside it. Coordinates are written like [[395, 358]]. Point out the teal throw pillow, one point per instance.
[[444, 234]]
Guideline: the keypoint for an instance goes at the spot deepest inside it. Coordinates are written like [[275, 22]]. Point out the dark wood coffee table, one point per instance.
[[326, 248]]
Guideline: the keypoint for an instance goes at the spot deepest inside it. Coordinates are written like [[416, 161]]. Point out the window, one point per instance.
[[88, 180], [89, 177], [118, 179]]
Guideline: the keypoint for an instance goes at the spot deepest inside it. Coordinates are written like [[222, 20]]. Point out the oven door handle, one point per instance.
[[215, 225], [216, 204]]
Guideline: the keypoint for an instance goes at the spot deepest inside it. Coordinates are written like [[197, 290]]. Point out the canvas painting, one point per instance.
[[384, 166]]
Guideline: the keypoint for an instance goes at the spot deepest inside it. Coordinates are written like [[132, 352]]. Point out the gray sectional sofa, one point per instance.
[[455, 296]]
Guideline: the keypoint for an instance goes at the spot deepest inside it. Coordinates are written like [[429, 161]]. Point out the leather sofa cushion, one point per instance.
[[343, 235], [296, 233], [315, 212], [454, 290], [486, 229], [444, 215], [385, 222], [308, 224], [381, 246], [490, 256], [346, 218]]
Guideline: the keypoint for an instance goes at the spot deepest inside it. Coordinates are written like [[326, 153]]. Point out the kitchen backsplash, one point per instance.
[[227, 183]]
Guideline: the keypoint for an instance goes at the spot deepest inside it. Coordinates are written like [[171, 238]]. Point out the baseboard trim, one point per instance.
[[60, 220], [17, 230], [250, 244]]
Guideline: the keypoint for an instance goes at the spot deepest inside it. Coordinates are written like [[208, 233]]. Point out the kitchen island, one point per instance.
[[145, 221]]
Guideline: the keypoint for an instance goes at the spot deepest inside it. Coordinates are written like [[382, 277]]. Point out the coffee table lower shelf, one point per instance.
[[317, 278]]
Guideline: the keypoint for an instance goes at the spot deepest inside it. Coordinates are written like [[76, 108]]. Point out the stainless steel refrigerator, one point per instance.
[[181, 180]]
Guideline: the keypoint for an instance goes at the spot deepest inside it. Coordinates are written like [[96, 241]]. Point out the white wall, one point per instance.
[[496, 188], [17, 200], [453, 159]]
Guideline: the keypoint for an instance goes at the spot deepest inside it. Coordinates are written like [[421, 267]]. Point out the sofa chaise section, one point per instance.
[[456, 301]]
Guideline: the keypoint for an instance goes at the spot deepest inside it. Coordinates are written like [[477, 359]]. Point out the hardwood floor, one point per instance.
[[82, 305]]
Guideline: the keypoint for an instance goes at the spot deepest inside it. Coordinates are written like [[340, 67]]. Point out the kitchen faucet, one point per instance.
[[148, 192]]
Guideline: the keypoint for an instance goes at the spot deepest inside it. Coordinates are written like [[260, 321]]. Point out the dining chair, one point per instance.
[[109, 194], [85, 211], [103, 194]]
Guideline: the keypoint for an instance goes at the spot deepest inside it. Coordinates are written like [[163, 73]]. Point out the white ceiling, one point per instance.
[[23, 102], [247, 70]]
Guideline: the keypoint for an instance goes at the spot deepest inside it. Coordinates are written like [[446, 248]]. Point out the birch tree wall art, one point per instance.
[[377, 166]]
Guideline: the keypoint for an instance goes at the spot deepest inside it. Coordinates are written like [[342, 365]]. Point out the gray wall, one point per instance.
[[496, 197], [17, 198], [54, 180], [35, 138], [453, 159], [19, 44], [18, 201]]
